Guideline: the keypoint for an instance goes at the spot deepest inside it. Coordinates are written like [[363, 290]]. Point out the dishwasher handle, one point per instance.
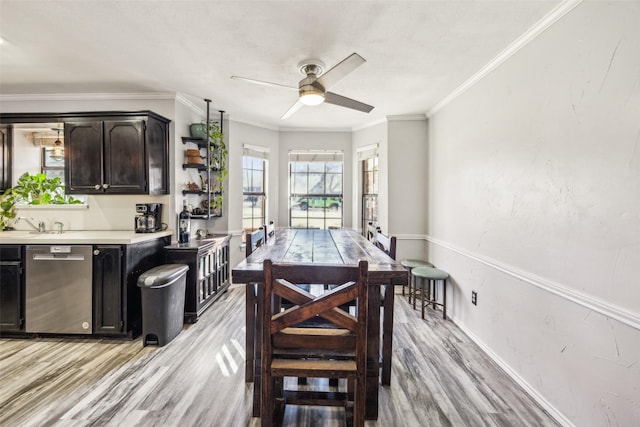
[[57, 257]]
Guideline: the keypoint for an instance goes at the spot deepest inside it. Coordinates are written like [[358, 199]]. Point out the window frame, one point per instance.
[[323, 215], [260, 195]]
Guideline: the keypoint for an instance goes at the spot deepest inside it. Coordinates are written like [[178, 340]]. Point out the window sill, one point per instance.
[[52, 207]]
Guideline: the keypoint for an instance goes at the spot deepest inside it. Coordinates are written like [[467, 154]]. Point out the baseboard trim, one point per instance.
[[592, 303], [531, 391]]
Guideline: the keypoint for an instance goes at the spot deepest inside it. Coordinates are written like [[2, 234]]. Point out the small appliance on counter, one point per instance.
[[148, 217]]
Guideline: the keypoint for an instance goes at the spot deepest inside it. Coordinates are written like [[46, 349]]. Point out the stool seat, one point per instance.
[[413, 263], [410, 264], [428, 277], [430, 273]]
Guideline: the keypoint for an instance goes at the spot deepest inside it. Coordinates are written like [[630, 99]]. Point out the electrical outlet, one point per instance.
[[474, 298]]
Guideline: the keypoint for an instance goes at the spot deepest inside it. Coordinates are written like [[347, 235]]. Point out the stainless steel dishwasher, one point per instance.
[[58, 289]]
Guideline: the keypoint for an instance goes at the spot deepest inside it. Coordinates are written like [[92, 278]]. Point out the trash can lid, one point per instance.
[[161, 275]]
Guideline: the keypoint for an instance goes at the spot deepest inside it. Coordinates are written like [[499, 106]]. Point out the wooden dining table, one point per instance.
[[337, 246]]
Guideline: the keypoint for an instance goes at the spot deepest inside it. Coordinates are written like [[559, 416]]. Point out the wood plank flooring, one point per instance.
[[439, 378]]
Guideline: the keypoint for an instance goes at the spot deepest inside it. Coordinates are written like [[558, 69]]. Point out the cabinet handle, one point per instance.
[[97, 186], [105, 186], [96, 252]]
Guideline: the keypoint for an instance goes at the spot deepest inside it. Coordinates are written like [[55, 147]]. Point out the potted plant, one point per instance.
[[32, 190], [218, 154]]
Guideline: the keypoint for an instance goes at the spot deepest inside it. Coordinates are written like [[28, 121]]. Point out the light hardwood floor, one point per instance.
[[439, 378]]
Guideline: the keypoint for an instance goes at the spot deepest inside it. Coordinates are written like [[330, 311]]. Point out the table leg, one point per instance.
[[257, 366], [387, 334], [250, 331], [373, 354]]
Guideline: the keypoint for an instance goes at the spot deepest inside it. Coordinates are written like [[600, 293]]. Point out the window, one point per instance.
[[253, 192], [315, 189], [369, 192], [52, 163]]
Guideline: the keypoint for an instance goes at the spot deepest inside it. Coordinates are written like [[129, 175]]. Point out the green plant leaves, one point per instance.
[[34, 189]]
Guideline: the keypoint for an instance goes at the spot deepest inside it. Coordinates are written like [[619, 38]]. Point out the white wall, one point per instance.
[[240, 134], [406, 162], [534, 202]]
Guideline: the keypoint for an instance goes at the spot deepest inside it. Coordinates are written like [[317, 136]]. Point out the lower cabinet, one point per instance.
[[11, 289], [107, 289], [208, 275], [117, 306]]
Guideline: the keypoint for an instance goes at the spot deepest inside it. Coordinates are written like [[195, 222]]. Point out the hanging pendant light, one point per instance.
[[58, 151]]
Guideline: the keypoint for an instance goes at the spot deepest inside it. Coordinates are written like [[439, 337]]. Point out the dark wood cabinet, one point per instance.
[[117, 306], [11, 289], [208, 275], [107, 290], [5, 157], [119, 154]]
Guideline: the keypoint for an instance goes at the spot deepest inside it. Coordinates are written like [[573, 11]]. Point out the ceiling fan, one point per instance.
[[313, 89]]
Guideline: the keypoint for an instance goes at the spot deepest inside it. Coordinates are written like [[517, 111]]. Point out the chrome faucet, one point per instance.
[[40, 228], [59, 226]]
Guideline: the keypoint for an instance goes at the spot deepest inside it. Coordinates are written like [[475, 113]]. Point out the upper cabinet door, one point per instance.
[[5, 158], [124, 151], [83, 157]]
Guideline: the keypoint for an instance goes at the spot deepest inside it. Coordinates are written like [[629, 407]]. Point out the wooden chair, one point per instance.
[[291, 349], [386, 243], [269, 230], [254, 240], [372, 230]]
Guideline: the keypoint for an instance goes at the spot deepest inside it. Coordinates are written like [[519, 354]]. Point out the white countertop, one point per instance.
[[86, 237]]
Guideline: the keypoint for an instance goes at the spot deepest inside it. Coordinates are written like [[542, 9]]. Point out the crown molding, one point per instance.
[[370, 124], [88, 96], [406, 117], [547, 21], [327, 130]]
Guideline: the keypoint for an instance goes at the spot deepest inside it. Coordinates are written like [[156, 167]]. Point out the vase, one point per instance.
[[198, 130]]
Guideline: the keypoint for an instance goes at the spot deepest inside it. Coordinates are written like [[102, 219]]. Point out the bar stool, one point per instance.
[[431, 276], [410, 264]]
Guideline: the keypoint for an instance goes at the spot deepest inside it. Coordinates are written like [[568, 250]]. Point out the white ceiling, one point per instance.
[[417, 52]]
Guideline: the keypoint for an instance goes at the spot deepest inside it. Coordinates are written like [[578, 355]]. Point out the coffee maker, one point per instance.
[[148, 217]]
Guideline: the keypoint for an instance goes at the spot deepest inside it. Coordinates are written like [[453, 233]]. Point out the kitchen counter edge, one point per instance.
[[73, 237]]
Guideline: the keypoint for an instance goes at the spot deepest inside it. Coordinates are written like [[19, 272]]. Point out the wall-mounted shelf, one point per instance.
[[208, 173]]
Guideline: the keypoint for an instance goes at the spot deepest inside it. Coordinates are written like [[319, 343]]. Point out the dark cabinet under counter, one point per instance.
[[208, 275], [117, 305], [11, 289]]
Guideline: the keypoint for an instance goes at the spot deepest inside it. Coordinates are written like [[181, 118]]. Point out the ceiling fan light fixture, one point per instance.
[[310, 95]]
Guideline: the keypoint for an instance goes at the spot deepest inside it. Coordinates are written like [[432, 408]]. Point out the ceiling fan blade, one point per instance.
[[263, 83], [343, 101], [339, 71], [295, 107]]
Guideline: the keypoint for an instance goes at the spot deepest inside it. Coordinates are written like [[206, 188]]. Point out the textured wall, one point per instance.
[[535, 203]]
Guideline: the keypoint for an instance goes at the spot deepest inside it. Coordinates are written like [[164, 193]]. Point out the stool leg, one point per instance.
[[410, 282], [444, 299], [422, 295], [434, 298], [415, 291]]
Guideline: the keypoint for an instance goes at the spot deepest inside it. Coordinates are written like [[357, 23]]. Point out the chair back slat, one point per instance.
[[386, 243], [281, 281], [269, 230], [254, 240], [372, 230]]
